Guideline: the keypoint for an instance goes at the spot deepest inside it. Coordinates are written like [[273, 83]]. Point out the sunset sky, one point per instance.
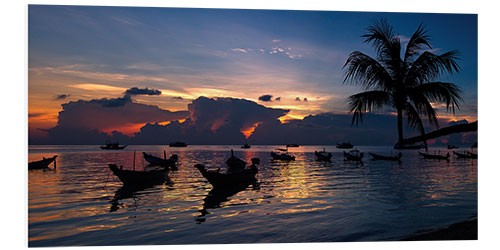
[[287, 61]]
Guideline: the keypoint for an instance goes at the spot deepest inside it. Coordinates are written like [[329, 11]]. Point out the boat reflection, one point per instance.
[[218, 195], [132, 191]]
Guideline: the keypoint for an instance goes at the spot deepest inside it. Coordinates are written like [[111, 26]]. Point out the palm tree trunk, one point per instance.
[[400, 125]]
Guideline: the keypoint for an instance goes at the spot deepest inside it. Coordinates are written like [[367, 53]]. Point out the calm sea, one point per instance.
[[82, 203]]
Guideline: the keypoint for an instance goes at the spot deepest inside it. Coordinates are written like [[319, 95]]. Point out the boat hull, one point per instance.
[[435, 157], [383, 157], [139, 178], [221, 180], [282, 157], [42, 164], [157, 161], [351, 157], [323, 156]]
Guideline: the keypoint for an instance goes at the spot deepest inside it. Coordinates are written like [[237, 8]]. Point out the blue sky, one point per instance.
[[99, 52]]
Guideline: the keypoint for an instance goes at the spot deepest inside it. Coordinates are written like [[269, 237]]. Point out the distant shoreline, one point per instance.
[[465, 230]]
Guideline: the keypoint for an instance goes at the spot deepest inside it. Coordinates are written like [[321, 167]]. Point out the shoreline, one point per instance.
[[465, 230]]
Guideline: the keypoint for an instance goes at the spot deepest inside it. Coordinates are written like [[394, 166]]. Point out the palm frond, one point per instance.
[[366, 102], [388, 46], [414, 121], [428, 67], [423, 106], [418, 40], [440, 92], [366, 71]]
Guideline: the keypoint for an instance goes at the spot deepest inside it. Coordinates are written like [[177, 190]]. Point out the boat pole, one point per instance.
[[164, 155], [134, 161]]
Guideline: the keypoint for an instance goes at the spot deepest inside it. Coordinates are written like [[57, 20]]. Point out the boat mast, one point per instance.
[[134, 161]]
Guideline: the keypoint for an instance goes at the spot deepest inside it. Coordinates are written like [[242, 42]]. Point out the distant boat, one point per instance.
[[388, 158], [345, 145], [230, 179], [403, 146], [450, 146], [178, 144], [466, 155], [353, 155], [42, 164], [157, 161], [323, 156], [292, 145], [435, 156], [113, 146], [245, 145], [285, 156]]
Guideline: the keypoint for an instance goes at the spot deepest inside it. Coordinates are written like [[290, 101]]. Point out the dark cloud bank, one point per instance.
[[218, 121]]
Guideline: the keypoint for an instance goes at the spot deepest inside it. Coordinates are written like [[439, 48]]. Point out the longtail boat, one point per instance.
[[42, 164], [465, 155], [230, 178], [353, 155], [385, 157], [323, 156], [164, 162], [435, 156], [113, 146]]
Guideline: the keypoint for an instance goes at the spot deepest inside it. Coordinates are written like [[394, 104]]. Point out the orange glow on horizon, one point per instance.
[[128, 129], [247, 132]]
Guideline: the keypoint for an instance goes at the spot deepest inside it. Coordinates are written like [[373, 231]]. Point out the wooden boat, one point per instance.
[[230, 179], [465, 155], [245, 145], [345, 145], [323, 156], [450, 146], [353, 155], [113, 146], [292, 145], [42, 164], [285, 156], [139, 178], [164, 162], [388, 158], [235, 163], [435, 156], [402, 146], [178, 144]]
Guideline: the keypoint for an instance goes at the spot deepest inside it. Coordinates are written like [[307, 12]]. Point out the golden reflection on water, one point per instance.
[[81, 196]]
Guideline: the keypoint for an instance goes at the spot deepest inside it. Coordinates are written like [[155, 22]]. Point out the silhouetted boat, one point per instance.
[[178, 144], [230, 179], [157, 161], [44, 163], [353, 155], [384, 157], [234, 163], [344, 145], [285, 156], [435, 156], [323, 156], [139, 178], [466, 155], [292, 145], [402, 146], [245, 145], [450, 146], [113, 146]]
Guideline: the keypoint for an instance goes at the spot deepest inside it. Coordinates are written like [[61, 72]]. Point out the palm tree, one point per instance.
[[408, 84]]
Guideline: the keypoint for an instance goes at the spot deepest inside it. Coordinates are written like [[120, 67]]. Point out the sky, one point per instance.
[[216, 75]]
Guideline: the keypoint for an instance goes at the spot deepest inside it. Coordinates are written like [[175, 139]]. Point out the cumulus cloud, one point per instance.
[[144, 91], [266, 98], [239, 50], [277, 99], [177, 98], [276, 41], [61, 97]]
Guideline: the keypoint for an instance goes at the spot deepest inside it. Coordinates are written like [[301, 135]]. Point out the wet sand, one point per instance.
[[466, 230]]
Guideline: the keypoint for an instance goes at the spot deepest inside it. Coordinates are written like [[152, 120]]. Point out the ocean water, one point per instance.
[[82, 203]]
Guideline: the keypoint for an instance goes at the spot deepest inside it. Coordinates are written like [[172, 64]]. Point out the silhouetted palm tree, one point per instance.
[[409, 84]]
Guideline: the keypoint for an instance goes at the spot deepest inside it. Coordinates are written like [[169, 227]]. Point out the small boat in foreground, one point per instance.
[[323, 156], [245, 145], [465, 155], [139, 178], [157, 161], [353, 155], [435, 156], [388, 158], [113, 146], [178, 144], [344, 145], [230, 179], [42, 164], [285, 156]]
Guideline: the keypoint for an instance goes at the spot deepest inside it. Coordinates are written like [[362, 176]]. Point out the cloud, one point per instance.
[[144, 91], [61, 97], [276, 41], [297, 99], [277, 99], [266, 98], [305, 99], [177, 98], [239, 50]]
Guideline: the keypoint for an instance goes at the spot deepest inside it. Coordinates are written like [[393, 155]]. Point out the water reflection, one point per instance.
[[131, 191]]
